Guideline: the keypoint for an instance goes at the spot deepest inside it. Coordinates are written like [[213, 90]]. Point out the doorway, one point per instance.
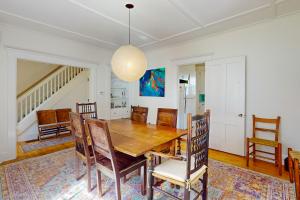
[[191, 82], [219, 86]]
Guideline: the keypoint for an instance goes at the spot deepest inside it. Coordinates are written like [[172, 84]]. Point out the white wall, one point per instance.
[[272, 50], [76, 91], [45, 44], [29, 72]]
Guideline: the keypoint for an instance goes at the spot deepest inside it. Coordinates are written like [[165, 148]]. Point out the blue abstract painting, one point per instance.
[[153, 83]]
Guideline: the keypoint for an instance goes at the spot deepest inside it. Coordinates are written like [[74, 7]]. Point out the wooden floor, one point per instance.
[[258, 166]]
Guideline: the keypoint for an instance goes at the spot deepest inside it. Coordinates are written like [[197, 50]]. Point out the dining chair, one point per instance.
[[87, 110], [139, 114], [184, 171], [83, 151], [110, 162], [166, 117], [294, 167], [257, 140]]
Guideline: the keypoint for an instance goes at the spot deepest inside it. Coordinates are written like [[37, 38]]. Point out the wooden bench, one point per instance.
[[52, 122]]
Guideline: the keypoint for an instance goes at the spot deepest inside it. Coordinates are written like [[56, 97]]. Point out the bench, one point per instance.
[[53, 122]]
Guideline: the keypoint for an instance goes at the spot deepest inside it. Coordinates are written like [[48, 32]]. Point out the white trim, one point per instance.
[[110, 18], [14, 54]]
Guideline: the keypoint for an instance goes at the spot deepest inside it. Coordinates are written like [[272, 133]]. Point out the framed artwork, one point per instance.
[[153, 83]]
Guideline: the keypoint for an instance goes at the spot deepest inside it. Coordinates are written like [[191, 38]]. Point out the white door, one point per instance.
[[225, 98]]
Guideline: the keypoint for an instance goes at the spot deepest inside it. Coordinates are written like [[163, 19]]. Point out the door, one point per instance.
[[225, 98]]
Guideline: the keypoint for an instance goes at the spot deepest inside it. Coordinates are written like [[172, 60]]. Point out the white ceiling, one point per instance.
[[154, 22]]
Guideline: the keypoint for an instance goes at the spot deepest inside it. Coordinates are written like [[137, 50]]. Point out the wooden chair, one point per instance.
[[87, 110], [294, 167], [139, 114], [185, 172], [110, 162], [47, 123], [255, 140], [166, 117], [63, 120], [83, 151]]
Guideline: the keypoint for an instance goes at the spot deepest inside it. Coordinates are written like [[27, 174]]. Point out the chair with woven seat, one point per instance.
[[110, 162], [87, 110], [185, 171], [294, 167], [139, 114], [257, 140], [83, 151]]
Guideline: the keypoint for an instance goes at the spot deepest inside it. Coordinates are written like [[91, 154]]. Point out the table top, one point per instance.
[[136, 139]]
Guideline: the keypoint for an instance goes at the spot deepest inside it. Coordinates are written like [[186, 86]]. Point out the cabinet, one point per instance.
[[119, 96]]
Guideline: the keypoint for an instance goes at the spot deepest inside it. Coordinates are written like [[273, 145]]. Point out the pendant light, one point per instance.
[[129, 63]]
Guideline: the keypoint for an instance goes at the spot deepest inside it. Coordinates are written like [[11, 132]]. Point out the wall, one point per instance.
[[45, 44], [29, 72], [272, 51], [75, 91]]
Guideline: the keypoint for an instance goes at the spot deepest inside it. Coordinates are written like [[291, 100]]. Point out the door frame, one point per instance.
[[13, 54], [188, 61]]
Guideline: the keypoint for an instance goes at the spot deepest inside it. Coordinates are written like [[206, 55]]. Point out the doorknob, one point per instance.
[[240, 115]]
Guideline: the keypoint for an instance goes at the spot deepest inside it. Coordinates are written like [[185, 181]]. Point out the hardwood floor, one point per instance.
[[258, 166]]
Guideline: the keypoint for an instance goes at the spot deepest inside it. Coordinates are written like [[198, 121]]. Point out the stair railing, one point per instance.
[[37, 95]]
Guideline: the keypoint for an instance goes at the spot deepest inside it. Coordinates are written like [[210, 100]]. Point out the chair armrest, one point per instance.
[[169, 156]]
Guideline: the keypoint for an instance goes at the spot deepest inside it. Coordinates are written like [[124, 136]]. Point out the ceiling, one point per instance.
[[154, 22]]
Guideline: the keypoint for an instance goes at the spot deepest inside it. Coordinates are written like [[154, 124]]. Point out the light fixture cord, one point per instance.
[[129, 27]]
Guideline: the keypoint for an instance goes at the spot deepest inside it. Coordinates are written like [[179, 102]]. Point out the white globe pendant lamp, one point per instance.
[[129, 63]]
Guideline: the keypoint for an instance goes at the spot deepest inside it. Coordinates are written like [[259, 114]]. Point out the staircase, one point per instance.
[[36, 96]]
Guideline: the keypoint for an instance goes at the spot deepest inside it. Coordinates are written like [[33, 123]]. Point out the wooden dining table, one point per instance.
[[136, 139]]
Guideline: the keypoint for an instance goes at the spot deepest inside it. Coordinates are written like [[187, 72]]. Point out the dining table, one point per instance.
[[136, 139]]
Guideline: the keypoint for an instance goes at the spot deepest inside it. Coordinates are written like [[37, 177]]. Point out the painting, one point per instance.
[[153, 83]]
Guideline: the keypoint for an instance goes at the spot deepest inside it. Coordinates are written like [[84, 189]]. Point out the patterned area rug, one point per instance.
[[52, 177], [31, 146]]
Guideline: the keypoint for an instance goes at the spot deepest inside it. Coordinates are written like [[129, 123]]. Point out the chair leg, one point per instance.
[[124, 179], [89, 170], [279, 159], [144, 180], [150, 179], [297, 178], [276, 156], [186, 194], [76, 167], [254, 152], [247, 153], [99, 183], [290, 166], [118, 187], [205, 181]]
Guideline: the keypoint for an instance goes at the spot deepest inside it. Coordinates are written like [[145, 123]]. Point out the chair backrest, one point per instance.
[[87, 110], [273, 122], [166, 117], [46, 117], [63, 115], [101, 140], [197, 142], [78, 131], [139, 114]]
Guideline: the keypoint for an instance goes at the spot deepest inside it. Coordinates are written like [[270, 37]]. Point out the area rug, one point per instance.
[[31, 146], [52, 177]]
